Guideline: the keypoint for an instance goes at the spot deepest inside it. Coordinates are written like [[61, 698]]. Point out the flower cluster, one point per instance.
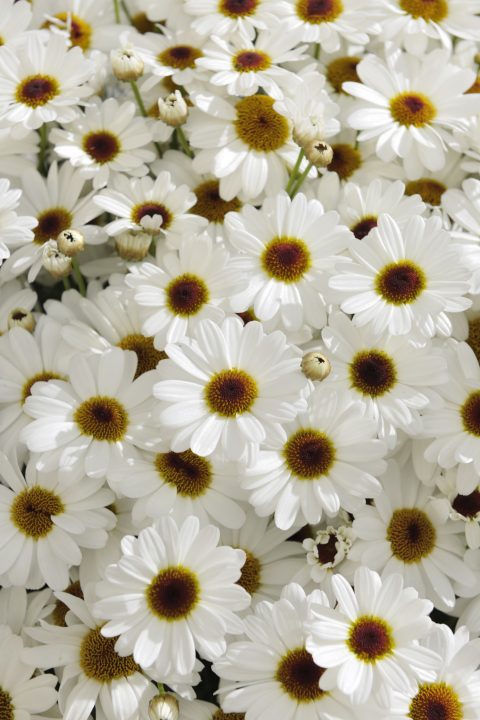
[[240, 359]]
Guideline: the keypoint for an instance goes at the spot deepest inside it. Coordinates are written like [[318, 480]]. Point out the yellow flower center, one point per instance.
[[39, 377], [372, 372], [411, 535], [100, 661], [7, 711], [434, 10], [237, 8], [32, 510], [60, 609], [400, 283], [102, 146], [299, 676], [148, 356], [80, 31], [150, 209], [231, 392], [186, 295], [370, 638], [343, 69], [474, 336], [173, 593], [180, 57], [141, 23], [346, 160], [286, 259], [250, 578], [189, 473], [470, 413], [258, 125], [319, 11], [410, 108], [436, 701], [51, 223], [251, 61], [363, 226], [102, 418], [309, 454], [430, 191], [37, 90], [210, 205]]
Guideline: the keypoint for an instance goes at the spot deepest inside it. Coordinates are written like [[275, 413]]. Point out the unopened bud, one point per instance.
[[173, 109], [133, 246], [70, 242], [163, 707], [307, 131], [319, 153], [126, 64], [315, 365], [18, 317], [54, 261]]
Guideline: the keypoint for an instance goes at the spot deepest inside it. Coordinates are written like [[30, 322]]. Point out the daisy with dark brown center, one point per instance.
[[225, 17], [364, 643]]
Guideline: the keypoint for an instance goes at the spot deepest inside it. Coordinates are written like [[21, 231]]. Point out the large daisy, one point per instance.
[[231, 387], [182, 597]]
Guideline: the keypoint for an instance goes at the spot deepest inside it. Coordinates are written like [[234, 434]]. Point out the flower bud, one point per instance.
[[307, 130], [315, 365], [319, 153], [126, 64], [55, 262], [70, 242], [173, 109], [163, 707], [133, 246], [18, 317]]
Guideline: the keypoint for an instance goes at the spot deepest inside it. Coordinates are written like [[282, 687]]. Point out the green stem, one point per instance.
[[126, 10], [66, 283], [42, 153], [298, 184], [161, 689], [316, 52], [295, 169], [116, 7], [138, 98], [183, 142], [78, 277]]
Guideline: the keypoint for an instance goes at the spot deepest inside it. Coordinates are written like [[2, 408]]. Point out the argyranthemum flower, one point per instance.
[[189, 286], [246, 144], [40, 82], [272, 673], [82, 426], [182, 596], [45, 521], [416, 105], [286, 249], [14, 298], [108, 138], [408, 532], [327, 458], [369, 641], [226, 17], [152, 206], [94, 673], [171, 54], [15, 230], [234, 385], [389, 377], [404, 279]]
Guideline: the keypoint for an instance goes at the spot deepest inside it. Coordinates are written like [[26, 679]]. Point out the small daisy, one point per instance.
[[190, 286], [233, 387], [14, 297], [108, 138], [403, 279], [44, 523], [408, 532], [182, 597], [272, 673], [41, 82], [15, 230], [412, 115], [87, 423], [94, 673], [148, 205], [370, 640], [245, 143], [389, 377], [227, 17], [173, 55], [326, 459], [286, 249]]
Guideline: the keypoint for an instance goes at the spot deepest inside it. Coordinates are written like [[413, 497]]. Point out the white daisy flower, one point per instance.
[[327, 458], [84, 425], [108, 138], [286, 249], [227, 17], [16, 17], [150, 205], [404, 279], [14, 297], [463, 206], [389, 376], [182, 595], [94, 673], [243, 65], [246, 144], [464, 507], [370, 640], [453, 693], [20, 609], [408, 532], [22, 695], [194, 284], [412, 105], [41, 82], [180, 484], [15, 230], [272, 673], [433, 184], [172, 54], [45, 521], [234, 385]]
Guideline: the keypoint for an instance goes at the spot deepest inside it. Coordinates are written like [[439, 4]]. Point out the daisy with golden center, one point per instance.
[[79, 30], [470, 414], [411, 534], [372, 372], [401, 282], [316, 469], [102, 418], [231, 392], [31, 511], [347, 159], [102, 146], [186, 294], [319, 11], [37, 90], [238, 8], [412, 109], [99, 660], [251, 61], [190, 474], [286, 259], [180, 57], [258, 125], [430, 190], [250, 579], [276, 642], [436, 700], [367, 634], [51, 223], [172, 592], [147, 354], [429, 10], [342, 69], [210, 205]]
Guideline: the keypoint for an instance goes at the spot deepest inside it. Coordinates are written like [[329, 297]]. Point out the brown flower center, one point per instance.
[[309, 454], [79, 30], [343, 69], [32, 509], [430, 191], [102, 418], [372, 372], [299, 676], [60, 609], [251, 61], [37, 90], [470, 413], [363, 226], [286, 259], [237, 8], [346, 160], [7, 711], [102, 146], [186, 295], [250, 578], [467, 505], [412, 109], [474, 336], [370, 638], [99, 660], [231, 392], [326, 552], [210, 205], [434, 10], [411, 534], [150, 209], [173, 593], [148, 356], [319, 11], [189, 473], [436, 701], [258, 125], [141, 23], [51, 223], [474, 88], [400, 283], [180, 57], [39, 377]]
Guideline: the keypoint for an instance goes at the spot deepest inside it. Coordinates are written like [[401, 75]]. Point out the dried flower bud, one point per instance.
[[126, 64], [308, 130], [133, 246], [163, 707], [71, 242], [315, 365], [18, 317], [319, 153], [173, 109], [55, 262]]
